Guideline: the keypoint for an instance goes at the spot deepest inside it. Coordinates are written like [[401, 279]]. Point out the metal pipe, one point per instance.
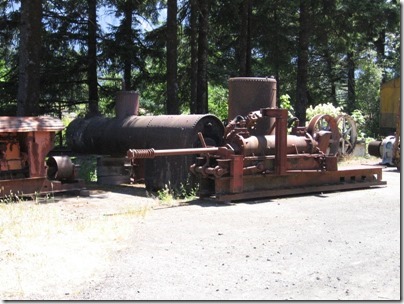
[[374, 148], [267, 145], [151, 153], [60, 168]]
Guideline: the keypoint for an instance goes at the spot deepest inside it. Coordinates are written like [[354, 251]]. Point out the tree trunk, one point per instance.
[[331, 77], [202, 89], [248, 61], [92, 59], [172, 45], [351, 83], [380, 48], [194, 54], [127, 55], [302, 63], [29, 58], [328, 10], [245, 39], [276, 55]]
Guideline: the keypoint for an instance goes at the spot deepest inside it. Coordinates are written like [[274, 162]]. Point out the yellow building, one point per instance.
[[389, 106]]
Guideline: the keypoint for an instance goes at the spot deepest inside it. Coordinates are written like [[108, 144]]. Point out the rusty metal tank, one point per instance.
[[247, 94], [114, 136]]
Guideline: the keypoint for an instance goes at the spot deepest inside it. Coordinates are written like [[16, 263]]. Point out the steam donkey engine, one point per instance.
[[252, 157], [253, 166]]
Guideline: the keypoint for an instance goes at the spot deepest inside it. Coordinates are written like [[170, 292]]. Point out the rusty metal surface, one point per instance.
[[266, 145], [236, 174], [258, 158], [374, 148], [23, 187], [24, 144], [247, 94], [280, 123], [35, 137], [25, 152], [30, 124], [325, 122], [38, 146], [266, 186], [151, 153], [11, 159], [60, 168], [114, 137], [270, 165], [126, 104]]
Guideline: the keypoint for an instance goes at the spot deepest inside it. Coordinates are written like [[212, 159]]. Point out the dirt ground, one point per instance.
[[121, 243]]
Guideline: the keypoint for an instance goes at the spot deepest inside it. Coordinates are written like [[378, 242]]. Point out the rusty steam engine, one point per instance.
[[25, 168], [252, 157]]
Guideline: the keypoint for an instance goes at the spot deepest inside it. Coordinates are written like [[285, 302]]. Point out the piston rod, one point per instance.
[[151, 153]]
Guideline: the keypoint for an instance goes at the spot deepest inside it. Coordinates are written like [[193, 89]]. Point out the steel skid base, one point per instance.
[[291, 183], [23, 187]]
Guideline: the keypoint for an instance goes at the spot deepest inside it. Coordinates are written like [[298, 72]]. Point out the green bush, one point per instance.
[[325, 108], [217, 103]]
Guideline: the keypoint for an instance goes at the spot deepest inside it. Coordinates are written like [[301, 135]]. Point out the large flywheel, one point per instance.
[[325, 122], [349, 134]]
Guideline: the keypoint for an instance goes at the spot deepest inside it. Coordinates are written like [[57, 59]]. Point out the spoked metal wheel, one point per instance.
[[349, 134], [325, 122]]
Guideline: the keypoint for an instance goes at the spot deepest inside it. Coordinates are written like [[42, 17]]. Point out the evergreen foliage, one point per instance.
[[352, 47]]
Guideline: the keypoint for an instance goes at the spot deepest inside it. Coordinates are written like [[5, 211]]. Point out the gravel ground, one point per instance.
[[343, 245], [340, 245]]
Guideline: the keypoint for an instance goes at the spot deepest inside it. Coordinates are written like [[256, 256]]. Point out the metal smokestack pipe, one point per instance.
[[126, 104]]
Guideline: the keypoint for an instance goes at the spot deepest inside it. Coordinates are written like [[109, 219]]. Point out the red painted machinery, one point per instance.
[[24, 145], [256, 166]]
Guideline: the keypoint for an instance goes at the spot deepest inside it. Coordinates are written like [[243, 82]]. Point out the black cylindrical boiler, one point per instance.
[[114, 136]]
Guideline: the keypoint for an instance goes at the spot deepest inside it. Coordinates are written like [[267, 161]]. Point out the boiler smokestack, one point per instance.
[[126, 104]]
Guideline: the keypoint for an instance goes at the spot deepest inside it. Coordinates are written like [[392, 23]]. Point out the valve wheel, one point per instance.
[[349, 134], [325, 122]]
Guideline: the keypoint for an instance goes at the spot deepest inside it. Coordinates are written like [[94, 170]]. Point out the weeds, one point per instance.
[[87, 168], [41, 242], [166, 194], [11, 197], [20, 197], [189, 193], [186, 192]]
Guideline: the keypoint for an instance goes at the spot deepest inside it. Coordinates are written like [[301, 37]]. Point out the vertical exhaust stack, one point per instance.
[[247, 94], [126, 104]]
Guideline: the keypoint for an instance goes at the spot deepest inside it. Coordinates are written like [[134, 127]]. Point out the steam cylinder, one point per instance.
[[114, 136], [247, 94], [265, 145]]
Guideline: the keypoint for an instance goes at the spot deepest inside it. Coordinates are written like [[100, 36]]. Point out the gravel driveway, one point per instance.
[[341, 245]]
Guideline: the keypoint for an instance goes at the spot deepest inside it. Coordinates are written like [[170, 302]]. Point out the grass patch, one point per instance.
[[45, 247], [185, 193], [358, 160]]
